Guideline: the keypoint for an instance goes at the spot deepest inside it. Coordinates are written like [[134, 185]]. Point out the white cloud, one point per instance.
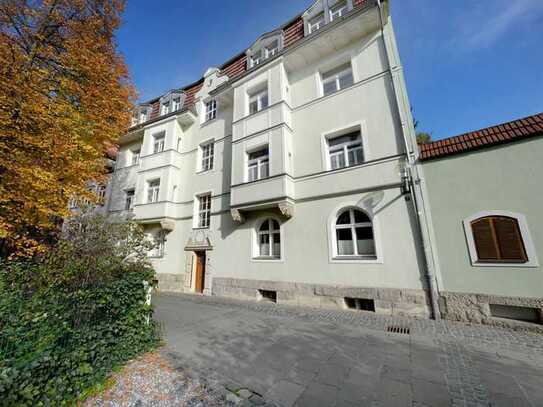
[[494, 19]]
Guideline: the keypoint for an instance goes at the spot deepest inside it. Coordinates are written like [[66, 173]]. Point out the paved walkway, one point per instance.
[[288, 356]]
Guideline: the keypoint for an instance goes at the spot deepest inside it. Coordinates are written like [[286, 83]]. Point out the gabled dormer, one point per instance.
[[323, 12], [141, 114], [171, 102], [267, 46]]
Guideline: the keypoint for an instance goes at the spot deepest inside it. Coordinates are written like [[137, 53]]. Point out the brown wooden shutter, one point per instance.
[[509, 239], [485, 242]]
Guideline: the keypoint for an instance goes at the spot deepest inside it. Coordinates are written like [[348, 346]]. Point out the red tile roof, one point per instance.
[[502, 133], [237, 66]]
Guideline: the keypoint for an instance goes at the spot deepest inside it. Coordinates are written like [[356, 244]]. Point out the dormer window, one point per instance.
[[316, 23], [165, 107], [272, 49], [171, 102], [323, 12], [141, 114], [256, 58], [339, 10], [176, 104], [267, 46]]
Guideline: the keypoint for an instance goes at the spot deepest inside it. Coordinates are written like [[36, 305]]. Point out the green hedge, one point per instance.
[[67, 321]]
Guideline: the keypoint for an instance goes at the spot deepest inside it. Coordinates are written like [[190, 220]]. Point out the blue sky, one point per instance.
[[468, 64]]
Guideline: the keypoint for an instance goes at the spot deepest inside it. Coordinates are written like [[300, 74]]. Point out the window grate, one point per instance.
[[397, 329]]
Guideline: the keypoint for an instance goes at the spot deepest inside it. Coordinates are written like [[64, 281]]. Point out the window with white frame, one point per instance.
[[337, 79], [135, 118], [268, 236], [338, 10], [135, 153], [345, 150], [143, 115], [153, 190], [204, 210], [256, 58], [258, 100], [129, 195], [211, 110], [354, 235], [207, 151], [258, 165], [272, 49], [316, 23], [158, 143], [165, 107], [176, 103]]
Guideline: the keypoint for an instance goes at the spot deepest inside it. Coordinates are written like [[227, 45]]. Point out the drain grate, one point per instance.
[[396, 329]]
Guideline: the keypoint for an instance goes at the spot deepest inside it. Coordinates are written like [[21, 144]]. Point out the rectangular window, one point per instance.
[[143, 116], [135, 156], [211, 110], [207, 156], [345, 151], [153, 190], [272, 49], [204, 210], [176, 104], [165, 108], [129, 199], [135, 119], [101, 192], [256, 58], [338, 10], [337, 79], [258, 165], [316, 23], [258, 101], [158, 145]]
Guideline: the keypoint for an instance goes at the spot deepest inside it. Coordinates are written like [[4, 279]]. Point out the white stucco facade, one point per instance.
[[281, 110]]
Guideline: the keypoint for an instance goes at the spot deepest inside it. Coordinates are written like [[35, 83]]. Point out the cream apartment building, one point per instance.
[[284, 173]]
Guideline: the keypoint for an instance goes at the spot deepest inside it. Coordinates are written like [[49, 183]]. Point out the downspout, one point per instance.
[[413, 180]]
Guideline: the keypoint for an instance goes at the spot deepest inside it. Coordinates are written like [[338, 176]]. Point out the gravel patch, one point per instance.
[[151, 381]]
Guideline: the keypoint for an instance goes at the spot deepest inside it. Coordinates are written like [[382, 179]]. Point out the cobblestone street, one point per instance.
[[262, 353]]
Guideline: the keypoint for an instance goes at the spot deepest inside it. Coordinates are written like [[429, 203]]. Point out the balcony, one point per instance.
[[274, 115], [162, 159], [273, 192], [145, 213]]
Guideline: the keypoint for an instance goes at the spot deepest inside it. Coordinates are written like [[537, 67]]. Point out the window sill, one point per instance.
[[203, 172], [267, 259], [356, 259], [528, 264], [200, 227]]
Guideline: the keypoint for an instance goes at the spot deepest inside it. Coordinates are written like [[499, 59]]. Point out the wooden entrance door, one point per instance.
[[200, 272]]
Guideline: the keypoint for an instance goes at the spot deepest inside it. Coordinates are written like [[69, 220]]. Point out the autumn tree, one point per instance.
[[65, 98]]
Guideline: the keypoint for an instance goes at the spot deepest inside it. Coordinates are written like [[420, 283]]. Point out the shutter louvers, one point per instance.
[[509, 239], [484, 239]]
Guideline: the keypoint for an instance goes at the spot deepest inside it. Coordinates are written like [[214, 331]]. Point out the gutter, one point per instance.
[[412, 176]]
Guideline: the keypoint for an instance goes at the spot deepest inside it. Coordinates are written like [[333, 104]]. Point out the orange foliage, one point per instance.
[[65, 98]]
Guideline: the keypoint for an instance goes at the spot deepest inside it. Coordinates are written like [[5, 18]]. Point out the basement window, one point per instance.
[[267, 295], [525, 314], [360, 304]]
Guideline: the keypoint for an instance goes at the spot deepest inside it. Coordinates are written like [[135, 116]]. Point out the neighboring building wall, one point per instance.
[[502, 178]]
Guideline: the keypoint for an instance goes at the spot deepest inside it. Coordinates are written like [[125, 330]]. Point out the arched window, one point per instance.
[[269, 239], [354, 234], [498, 239]]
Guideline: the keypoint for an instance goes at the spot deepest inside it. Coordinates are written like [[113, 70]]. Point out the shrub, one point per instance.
[[68, 319]]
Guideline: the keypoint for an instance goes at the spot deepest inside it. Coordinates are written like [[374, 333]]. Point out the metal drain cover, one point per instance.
[[397, 329]]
